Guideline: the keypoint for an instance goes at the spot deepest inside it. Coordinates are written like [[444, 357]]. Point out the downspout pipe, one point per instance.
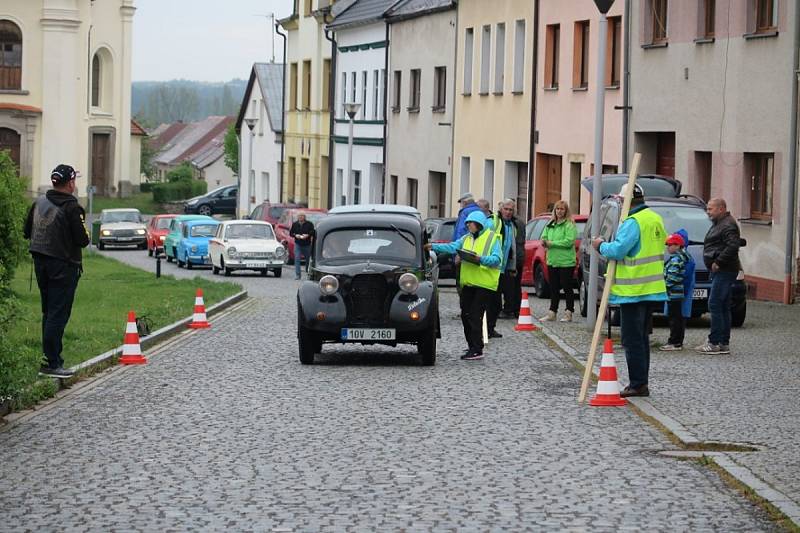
[[533, 136], [626, 83], [283, 112], [331, 119], [791, 210], [385, 120]]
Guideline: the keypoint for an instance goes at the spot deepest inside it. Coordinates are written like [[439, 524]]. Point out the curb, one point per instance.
[[742, 474]]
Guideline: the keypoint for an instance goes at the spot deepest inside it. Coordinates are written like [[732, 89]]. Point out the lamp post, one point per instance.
[[352, 110], [251, 125], [600, 100]]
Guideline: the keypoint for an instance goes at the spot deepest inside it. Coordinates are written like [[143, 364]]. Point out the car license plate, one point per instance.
[[698, 294], [125, 238], [258, 264], [368, 334]]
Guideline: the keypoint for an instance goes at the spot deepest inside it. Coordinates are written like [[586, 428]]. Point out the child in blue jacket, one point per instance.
[[677, 268]]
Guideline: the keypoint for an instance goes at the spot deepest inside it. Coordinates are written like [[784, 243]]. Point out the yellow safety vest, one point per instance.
[[643, 274], [479, 275]]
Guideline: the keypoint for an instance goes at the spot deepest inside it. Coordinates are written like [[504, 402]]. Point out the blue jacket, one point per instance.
[[688, 280], [495, 256], [461, 222]]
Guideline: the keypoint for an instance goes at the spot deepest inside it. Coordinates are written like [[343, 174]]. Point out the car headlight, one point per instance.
[[232, 253], [280, 251], [106, 232], [194, 248], [328, 285], [408, 283], [161, 238], [140, 232]]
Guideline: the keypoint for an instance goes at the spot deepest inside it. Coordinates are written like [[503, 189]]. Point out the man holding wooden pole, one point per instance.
[[639, 251]]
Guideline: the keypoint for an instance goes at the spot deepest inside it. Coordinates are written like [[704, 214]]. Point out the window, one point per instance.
[[412, 192], [465, 164], [364, 95], [488, 180], [393, 189], [293, 103], [340, 187], [414, 90], [375, 95], [703, 166], [97, 80], [396, 89], [10, 56], [469, 46], [353, 88], [382, 95], [344, 93], [766, 15], [552, 49], [761, 168], [580, 57], [439, 89], [707, 14], [356, 186], [613, 51], [486, 58], [499, 58], [519, 57], [326, 85], [306, 84], [659, 22]]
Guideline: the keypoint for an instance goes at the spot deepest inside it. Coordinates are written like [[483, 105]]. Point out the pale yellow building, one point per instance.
[[492, 137], [307, 104]]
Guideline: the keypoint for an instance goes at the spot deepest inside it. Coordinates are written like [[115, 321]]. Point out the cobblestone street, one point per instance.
[[224, 429]]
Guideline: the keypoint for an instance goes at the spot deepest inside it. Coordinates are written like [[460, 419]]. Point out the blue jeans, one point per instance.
[[719, 305], [634, 322], [305, 251]]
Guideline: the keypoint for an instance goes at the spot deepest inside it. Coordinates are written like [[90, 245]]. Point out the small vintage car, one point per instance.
[[193, 245], [157, 230], [122, 227], [246, 245], [176, 234], [370, 282]]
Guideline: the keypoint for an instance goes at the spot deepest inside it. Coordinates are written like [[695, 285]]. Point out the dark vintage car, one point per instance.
[[441, 230], [370, 282]]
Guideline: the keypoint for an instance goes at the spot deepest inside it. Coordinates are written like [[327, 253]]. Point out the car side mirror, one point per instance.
[[742, 242]]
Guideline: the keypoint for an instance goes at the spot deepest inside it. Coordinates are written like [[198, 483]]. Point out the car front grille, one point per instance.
[[123, 233], [257, 255], [367, 298]]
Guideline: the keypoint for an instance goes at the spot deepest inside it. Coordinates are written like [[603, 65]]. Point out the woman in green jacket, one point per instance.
[[559, 238]]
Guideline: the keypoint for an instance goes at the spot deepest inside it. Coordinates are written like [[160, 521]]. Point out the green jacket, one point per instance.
[[561, 252]]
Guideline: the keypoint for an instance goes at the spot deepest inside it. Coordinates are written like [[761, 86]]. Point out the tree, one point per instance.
[[182, 172], [146, 160], [231, 146]]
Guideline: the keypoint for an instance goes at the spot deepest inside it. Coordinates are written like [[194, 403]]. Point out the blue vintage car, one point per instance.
[[192, 247]]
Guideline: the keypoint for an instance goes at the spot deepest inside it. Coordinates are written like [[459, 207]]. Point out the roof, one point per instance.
[[385, 220], [416, 8], [270, 82], [192, 139], [210, 153], [136, 129], [361, 12], [376, 208], [120, 210], [201, 221], [245, 221], [20, 107], [164, 134]]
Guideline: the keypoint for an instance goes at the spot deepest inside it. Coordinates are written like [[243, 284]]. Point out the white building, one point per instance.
[[422, 60], [260, 152], [361, 39]]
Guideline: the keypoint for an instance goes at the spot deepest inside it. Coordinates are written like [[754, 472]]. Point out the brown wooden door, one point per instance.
[[522, 191], [10, 140], [665, 154], [101, 143]]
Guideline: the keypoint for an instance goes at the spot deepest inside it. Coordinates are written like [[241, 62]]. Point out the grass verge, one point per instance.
[[142, 201]]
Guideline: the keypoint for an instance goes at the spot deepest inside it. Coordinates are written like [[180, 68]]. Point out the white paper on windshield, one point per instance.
[[367, 246]]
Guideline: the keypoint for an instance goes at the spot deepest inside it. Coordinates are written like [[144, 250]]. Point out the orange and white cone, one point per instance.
[[131, 350], [199, 320], [607, 394], [525, 320]]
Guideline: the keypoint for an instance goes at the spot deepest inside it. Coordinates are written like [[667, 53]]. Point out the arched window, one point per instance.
[[10, 56], [10, 140], [101, 87], [97, 80]]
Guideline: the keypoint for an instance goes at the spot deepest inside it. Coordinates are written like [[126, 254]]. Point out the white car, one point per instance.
[[246, 245], [122, 227]]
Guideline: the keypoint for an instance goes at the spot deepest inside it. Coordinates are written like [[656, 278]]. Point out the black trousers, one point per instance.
[[57, 280], [474, 303], [500, 299], [677, 323], [512, 292], [561, 278]]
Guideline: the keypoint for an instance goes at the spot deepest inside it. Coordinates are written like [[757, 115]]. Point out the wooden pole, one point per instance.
[[611, 271]]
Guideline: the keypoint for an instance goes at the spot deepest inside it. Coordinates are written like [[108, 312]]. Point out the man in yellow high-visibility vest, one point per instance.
[[639, 251]]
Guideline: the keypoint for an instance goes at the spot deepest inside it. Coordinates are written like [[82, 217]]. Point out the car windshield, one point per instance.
[[204, 230], [249, 231], [374, 244], [693, 219], [163, 223], [442, 232], [312, 217], [580, 226], [110, 217]]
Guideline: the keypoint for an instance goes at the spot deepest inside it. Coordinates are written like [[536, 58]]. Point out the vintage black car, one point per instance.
[[370, 282]]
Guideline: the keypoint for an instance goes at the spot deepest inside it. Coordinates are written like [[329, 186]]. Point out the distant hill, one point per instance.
[[158, 102]]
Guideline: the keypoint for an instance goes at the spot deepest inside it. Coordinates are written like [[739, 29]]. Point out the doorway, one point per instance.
[[10, 140], [548, 182], [436, 193], [101, 163], [665, 154]]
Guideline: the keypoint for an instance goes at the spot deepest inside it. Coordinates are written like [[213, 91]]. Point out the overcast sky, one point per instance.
[[207, 40]]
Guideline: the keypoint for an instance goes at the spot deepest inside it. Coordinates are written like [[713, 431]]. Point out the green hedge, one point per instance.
[[178, 190], [147, 186]]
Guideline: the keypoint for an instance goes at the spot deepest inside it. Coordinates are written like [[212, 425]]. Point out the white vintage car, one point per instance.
[[246, 245], [122, 227]]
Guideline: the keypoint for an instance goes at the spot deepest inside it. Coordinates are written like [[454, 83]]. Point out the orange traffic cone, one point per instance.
[[199, 320], [525, 321], [131, 351], [608, 387]]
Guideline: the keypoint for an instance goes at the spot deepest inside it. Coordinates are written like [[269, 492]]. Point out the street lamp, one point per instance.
[[251, 125], [600, 100], [352, 110]]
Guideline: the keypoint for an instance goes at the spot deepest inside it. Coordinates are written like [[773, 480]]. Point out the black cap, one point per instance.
[[62, 174]]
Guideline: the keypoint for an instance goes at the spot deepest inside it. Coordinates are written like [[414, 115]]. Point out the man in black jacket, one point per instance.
[[721, 256], [512, 287], [302, 231], [55, 226]]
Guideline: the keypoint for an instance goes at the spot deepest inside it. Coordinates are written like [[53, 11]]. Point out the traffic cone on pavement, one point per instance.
[[131, 351], [199, 320], [607, 394], [525, 321]]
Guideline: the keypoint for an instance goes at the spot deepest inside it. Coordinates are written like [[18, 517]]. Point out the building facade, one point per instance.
[[421, 100], [711, 92], [493, 112], [65, 90]]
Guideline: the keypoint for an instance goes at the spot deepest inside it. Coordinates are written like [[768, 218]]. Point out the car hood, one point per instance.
[[196, 240], [255, 245], [192, 200], [353, 269], [121, 225]]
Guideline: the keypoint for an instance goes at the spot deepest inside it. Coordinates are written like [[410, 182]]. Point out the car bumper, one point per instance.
[[123, 241], [199, 259], [253, 264]]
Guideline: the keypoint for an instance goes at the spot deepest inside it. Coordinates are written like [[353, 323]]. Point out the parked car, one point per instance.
[[157, 230], [654, 185], [269, 212], [687, 213], [175, 234], [441, 230], [370, 282], [122, 227], [288, 217], [220, 201], [534, 269], [246, 245], [193, 245]]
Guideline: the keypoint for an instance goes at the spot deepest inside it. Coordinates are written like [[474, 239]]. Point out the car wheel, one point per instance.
[[582, 297], [306, 341], [264, 272], [101, 246], [149, 251], [426, 346], [225, 270], [188, 264], [204, 210], [214, 270], [541, 288], [278, 272], [738, 314]]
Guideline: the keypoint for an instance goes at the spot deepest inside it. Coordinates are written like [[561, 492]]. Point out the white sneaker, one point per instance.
[[549, 317], [567, 317]]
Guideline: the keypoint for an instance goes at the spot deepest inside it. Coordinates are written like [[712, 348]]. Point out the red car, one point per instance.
[[157, 230], [534, 270], [288, 217], [269, 212]]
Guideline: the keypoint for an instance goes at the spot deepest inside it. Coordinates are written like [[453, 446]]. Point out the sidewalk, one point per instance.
[[748, 397]]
